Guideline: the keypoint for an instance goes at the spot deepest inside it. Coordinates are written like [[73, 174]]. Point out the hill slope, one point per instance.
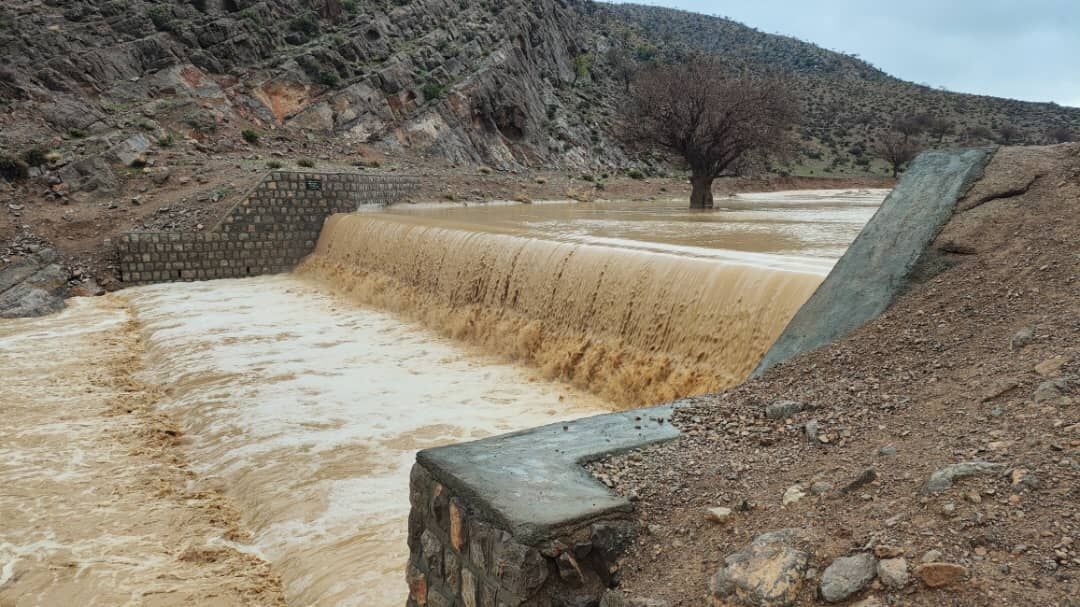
[[504, 83]]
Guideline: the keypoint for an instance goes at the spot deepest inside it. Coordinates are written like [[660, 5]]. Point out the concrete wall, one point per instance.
[[880, 264], [270, 230]]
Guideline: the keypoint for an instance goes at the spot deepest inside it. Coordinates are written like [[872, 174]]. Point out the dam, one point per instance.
[[302, 398]]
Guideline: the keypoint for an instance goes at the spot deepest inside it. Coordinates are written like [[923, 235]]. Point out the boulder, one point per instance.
[[769, 572], [33, 286], [846, 576]]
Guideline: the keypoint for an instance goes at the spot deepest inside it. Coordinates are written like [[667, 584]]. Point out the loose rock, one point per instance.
[[943, 479], [936, 575], [783, 409], [846, 576], [767, 573], [893, 573]]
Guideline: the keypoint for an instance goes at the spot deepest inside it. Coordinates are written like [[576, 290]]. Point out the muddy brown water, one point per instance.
[[302, 399]]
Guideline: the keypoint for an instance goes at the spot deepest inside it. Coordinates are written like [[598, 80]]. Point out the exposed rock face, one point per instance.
[[767, 573], [33, 286]]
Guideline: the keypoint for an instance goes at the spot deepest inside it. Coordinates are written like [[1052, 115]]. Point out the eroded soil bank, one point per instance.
[[980, 363]]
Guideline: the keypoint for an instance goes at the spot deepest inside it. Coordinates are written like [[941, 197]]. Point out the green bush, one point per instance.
[[635, 174], [76, 133], [166, 140], [350, 6], [587, 177], [273, 164], [250, 135], [432, 91], [328, 78], [307, 163]]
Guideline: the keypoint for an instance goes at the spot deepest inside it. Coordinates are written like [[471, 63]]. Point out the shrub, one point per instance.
[[307, 163], [587, 177], [328, 78], [635, 174], [250, 135], [350, 6], [485, 171], [432, 91], [273, 164], [166, 140], [13, 168], [35, 156], [76, 133]]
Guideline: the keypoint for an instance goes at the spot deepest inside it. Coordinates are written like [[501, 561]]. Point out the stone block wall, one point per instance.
[[461, 558], [275, 226]]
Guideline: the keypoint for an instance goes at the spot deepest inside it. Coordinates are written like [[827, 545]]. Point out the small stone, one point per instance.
[[870, 601], [783, 409], [893, 572], [1051, 367], [792, 495], [846, 576], [865, 478], [943, 479], [1022, 338], [1024, 479], [820, 488], [811, 430], [1051, 390], [931, 556], [936, 575], [718, 514], [885, 551], [887, 451]]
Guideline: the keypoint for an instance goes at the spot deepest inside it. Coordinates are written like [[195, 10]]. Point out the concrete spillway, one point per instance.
[[632, 326]]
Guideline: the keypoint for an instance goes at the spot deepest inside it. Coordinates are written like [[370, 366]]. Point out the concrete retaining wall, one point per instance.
[[270, 230]]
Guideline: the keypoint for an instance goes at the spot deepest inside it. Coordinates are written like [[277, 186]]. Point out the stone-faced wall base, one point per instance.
[[275, 226], [515, 520]]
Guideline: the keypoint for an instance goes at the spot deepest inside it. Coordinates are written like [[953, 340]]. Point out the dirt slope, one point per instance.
[[978, 363]]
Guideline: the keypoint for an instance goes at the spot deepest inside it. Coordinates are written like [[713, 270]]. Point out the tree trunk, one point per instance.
[[701, 192]]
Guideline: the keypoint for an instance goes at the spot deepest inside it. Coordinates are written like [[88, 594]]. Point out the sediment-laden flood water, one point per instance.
[[220, 442]]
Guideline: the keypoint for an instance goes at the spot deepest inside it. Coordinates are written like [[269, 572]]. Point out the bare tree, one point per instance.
[[897, 149], [1060, 134], [939, 127], [623, 66], [1009, 135], [716, 123]]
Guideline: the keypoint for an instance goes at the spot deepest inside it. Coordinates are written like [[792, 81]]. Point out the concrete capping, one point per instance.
[[532, 483], [882, 261]]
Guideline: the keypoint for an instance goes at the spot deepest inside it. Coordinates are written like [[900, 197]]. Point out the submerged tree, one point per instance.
[[718, 124]]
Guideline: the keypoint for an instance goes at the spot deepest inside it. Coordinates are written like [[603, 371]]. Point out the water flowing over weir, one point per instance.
[[635, 327]]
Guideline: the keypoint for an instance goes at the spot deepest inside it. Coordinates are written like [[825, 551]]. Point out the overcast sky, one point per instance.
[[1024, 49]]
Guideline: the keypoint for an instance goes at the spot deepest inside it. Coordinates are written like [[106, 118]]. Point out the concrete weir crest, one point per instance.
[[516, 520]]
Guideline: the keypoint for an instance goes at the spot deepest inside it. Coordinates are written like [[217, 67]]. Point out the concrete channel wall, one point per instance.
[[275, 226], [515, 520]]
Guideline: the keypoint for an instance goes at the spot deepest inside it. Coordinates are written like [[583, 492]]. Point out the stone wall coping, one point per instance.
[[532, 482], [880, 263]]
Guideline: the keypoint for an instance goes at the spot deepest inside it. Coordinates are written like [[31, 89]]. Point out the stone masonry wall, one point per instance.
[[458, 558], [275, 226]]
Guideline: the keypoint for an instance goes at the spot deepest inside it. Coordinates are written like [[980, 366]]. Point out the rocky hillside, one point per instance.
[[93, 84]]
